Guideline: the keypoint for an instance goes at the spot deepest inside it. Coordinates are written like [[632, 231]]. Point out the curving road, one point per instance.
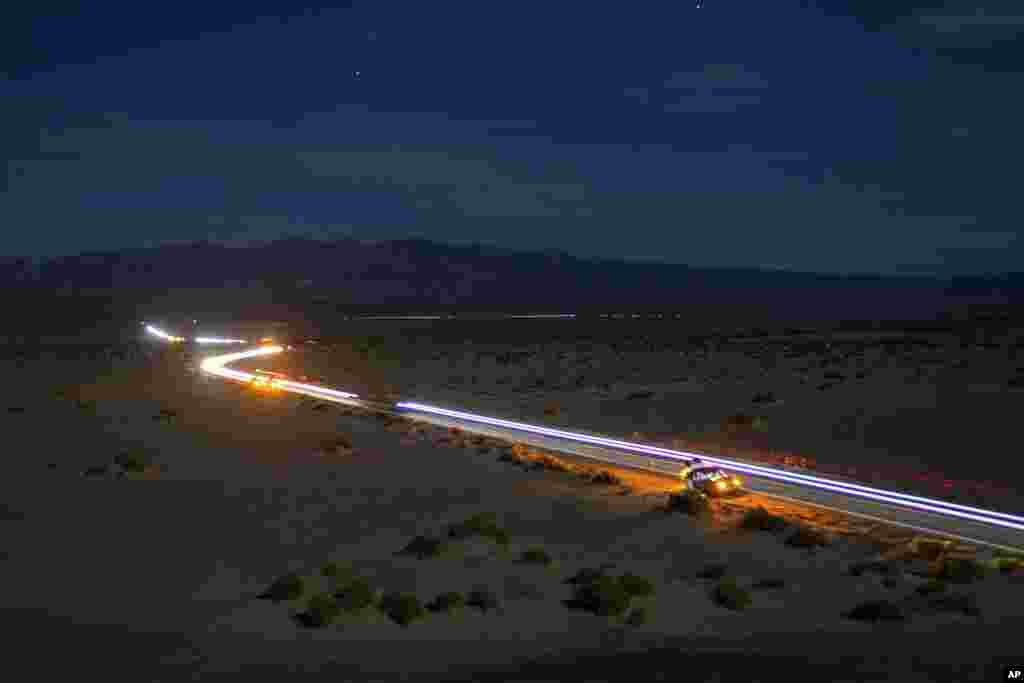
[[989, 528]]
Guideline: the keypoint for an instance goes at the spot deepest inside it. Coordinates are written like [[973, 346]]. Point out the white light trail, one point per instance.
[[163, 335], [216, 366], [856, 490]]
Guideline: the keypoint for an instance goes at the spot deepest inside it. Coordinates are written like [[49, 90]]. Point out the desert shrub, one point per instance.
[[930, 549], [131, 461], [730, 595], [692, 503], [1007, 563], [320, 611], [481, 524], [931, 587], [355, 595], [760, 519], [402, 608], [637, 586], [424, 547], [500, 537], [876, 610], [958, 570], [638, 616], [606, 478], [713, 571], [770, 583], [336, 444], [738, 421], [552, 408], [508, 456], [447, 602], [336, 570], [287, 587], [536, 556], [165, 415], [483, 599], [86, 406], [604, 596], [807, 537], [588, 575]]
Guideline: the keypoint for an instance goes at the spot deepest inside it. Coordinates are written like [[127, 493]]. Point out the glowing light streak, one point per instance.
[[855, 490]]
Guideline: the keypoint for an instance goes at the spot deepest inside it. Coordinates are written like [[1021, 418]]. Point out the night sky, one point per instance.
[[869, 136]]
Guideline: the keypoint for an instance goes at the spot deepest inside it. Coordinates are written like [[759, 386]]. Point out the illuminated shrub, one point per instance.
[[962, 570], [807, 537], [692, 503], [759, 519]]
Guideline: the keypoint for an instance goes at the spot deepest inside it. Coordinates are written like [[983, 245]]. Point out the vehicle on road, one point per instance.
[[710, 480]]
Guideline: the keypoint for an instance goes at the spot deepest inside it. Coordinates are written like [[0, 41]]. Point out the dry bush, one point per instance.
[[424, 547], [536, 555], [692, 503], [288, 587], [449, 602], [730, 595], [339, 444], [761, 520], [808, 537], [402, 608]]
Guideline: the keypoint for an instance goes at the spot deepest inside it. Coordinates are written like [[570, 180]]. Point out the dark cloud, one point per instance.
[[842, 136]]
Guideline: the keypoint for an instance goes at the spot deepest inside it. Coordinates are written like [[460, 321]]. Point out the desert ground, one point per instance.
[[934, 412], [150, 513]]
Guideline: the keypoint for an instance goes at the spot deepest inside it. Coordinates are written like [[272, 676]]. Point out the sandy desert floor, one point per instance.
[[157, 576], [915, 409]]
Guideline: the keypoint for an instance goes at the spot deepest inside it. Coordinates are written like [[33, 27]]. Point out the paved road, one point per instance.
[[973, 525]]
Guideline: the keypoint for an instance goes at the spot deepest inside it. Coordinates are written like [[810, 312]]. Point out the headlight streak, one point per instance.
[[163, 335], [215, 366], [856, 490], [218, 340]]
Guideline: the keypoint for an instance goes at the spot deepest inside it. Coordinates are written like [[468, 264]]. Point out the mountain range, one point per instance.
[[421, 275]]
